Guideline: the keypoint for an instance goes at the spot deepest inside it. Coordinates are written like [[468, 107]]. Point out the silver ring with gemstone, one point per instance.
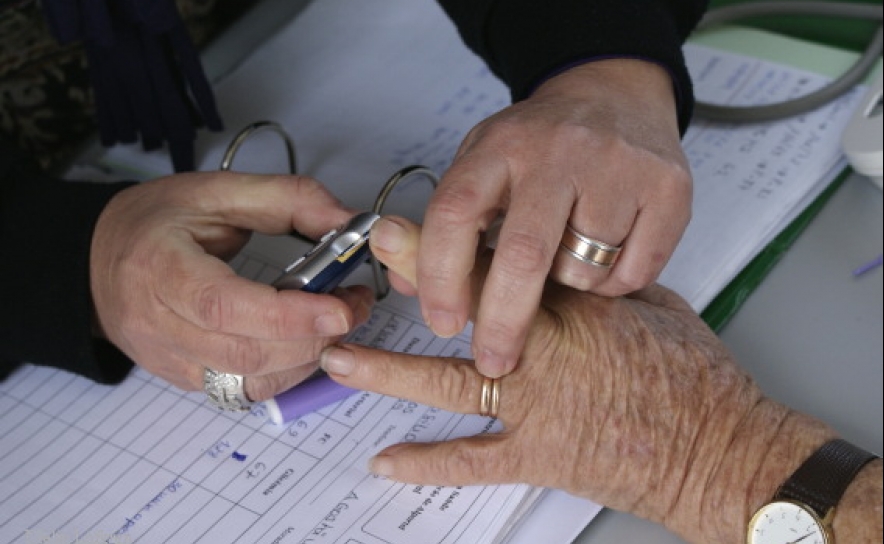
[[226, 391]]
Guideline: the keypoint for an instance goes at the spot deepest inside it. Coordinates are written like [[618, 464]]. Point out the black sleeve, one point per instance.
[[525, 41], [46, 312]]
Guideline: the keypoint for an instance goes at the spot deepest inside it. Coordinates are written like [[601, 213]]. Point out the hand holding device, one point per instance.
[[338, 253]]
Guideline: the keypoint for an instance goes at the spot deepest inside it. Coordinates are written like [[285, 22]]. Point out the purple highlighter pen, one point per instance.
[[309, 396], [320, 270]]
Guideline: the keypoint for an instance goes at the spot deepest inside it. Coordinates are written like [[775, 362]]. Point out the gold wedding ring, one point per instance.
[[489, 399], [589, 250]]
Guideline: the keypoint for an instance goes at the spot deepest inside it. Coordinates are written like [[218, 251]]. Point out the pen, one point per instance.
[[868, 266], [320, 270], [309, 396]]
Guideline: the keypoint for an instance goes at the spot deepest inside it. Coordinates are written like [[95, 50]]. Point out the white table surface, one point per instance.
[[811, 334]]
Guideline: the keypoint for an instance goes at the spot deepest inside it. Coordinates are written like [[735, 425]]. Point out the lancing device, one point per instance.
[[338, 253]]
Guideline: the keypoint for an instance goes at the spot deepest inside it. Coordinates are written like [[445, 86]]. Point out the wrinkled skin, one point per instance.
[[611, 396], [165, 296], [632, 402]]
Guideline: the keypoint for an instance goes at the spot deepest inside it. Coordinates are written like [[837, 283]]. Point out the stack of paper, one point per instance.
[[750, 181]]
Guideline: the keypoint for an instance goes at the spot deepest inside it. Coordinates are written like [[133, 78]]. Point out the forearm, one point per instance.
[[747, 466], [524, 42], [46, 227], [767, 445]]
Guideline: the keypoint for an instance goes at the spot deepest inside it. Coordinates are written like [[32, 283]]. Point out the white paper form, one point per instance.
[[145, 462], [750, 181]]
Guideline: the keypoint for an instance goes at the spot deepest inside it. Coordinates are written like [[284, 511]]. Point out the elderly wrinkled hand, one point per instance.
[[610, 397], [632, 402], [165, 296], [592, 160]]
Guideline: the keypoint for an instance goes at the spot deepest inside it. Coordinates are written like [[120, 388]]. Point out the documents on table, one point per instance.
[[145, 462]]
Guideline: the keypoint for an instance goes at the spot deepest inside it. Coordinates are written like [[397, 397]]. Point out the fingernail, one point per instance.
[[335, 360], [492, 364], [444, 324], [387, 236], [381, 465], [331, 324]]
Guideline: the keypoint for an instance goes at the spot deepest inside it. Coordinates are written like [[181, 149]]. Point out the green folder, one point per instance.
[[823, 58], [844, 33]]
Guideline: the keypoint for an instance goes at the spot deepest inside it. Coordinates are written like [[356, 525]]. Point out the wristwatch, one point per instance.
[[803, 507]]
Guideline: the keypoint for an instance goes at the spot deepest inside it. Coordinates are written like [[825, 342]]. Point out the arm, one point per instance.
[[726, 485], [101, 275], [165, 295], [45, 229], [526, 42]]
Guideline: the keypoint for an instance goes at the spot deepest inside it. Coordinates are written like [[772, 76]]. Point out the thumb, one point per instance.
[[266, 203], [394, 241]]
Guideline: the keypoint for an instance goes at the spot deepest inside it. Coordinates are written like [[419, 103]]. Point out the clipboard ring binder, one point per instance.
[[382, 286], [244, 134]]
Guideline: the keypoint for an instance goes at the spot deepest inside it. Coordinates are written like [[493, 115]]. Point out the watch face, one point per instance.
[[785, 522]]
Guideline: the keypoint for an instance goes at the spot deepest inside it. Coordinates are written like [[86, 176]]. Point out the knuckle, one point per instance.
[[452, 203], [285, 323], [628, 281], [187, 377], [524, 253], [577, 135], [574, 277], [244, 355], [261, 388], [210, 307], [479, 460], [502, 335], [510, 135], [676, 182], [471, 461], [459, 385], [312, 190]]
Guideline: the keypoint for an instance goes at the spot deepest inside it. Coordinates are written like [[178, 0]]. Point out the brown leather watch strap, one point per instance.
[[821, 480]]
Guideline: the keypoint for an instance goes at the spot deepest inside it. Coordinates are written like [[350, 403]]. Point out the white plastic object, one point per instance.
[[863, 138]]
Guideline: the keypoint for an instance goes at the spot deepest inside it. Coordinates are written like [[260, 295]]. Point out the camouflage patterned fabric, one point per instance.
[[46, 102]]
